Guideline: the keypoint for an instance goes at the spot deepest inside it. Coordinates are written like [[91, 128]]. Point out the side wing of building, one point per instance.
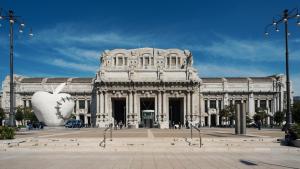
[[81, 89]]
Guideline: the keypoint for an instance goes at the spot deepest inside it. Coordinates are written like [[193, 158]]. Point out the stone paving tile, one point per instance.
[[163, 160], [95, 133]]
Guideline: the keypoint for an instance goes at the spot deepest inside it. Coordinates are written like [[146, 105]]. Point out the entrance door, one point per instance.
[[81, 117], [176, 112], [148, 118], [147, 107], [119, 110], [213, 119]]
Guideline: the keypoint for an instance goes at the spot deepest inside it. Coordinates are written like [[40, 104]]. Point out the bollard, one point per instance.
[[243, 119], [237, 119]]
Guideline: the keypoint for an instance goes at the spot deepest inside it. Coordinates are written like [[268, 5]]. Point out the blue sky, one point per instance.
[[225, 37]]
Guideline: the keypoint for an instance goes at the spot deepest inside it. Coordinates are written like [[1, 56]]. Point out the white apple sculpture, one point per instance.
[[52, 108]]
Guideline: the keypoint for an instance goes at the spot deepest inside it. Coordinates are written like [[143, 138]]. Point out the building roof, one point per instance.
[[237, 79], [82, 80], [211, 80], [57, 80], [32, 80], [261, 79]]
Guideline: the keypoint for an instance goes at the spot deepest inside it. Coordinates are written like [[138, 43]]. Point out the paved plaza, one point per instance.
[[53, 148]]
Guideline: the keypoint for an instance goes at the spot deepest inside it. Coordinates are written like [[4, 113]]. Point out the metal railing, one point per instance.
[[103, 142], [199, 134]]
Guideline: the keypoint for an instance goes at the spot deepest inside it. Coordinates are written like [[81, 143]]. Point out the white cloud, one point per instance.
[[295, 79], [252, 50], [212, 70], [69, 34], [72, 65], [79, 54]]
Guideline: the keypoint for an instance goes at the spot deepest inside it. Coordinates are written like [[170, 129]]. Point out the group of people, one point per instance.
[[34, 125], [118, 125]]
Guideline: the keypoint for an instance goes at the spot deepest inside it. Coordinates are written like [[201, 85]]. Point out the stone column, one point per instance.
[[27, 103], [98, 104], [130, 108], [202, 109], [106, 113], [218, 119], [208, 105], [165, 123], [258, 103], [188, 106], [251, 106], [217, 113], [159, 105], [85, 120], [278, 103], [273, 105], [77, 106], [135, 107], [101, 102], [85, 106], [267, 104], [209, 120]]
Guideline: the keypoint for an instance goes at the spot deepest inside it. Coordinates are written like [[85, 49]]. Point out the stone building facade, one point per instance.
[[150, 87]]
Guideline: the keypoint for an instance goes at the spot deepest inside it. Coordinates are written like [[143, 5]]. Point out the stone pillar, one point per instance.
[[202, 107], [188, 106], [101, 102], [85, 120], [218, 119], [208, 105], [130, 105], [155, 108], [251, 106], [273, 105], [237, 118], [106, 113], [209, 119], [277, 102], [135, 112], [101, 122], [165, 123], [258, 103], [98, 104], [77, 106], [77, 109], [159, 106], [85, 106], [267, 104], [27, 103]]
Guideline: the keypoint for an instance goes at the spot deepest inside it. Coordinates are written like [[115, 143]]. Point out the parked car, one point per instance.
[[72, 123]]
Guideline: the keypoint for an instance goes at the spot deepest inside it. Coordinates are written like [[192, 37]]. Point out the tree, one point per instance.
[[279, 117], [296, 112], [19, 114], [260, 114], [227, 113], [72, 116], [2, 115], [248, 119], [29, 115]]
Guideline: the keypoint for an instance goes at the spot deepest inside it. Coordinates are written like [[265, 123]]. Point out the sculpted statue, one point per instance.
[[52, 108]]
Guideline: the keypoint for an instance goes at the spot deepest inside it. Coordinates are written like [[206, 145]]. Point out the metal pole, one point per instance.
[[111, 132], [288, 108], [191, 130], [11, 34]]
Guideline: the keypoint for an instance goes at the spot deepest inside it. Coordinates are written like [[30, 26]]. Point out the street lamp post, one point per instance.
[[9, 16], [293, 14]]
